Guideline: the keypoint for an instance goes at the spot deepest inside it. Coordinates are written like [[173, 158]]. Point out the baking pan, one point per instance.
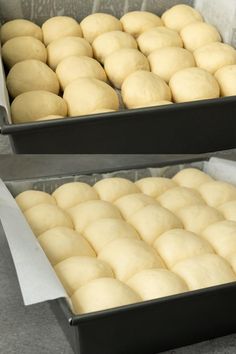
[[195, 127]]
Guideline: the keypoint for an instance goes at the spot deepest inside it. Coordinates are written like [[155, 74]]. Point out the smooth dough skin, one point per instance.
[[70, 194], [128, 257], [204, 271], [22, 48], [165, 62], [61, 243], [152, 220], [155, 186], [180, 16], [214, 56], [43, 217], [154, 104], [193, 84], [232, 260], [109, 293], [191, 178], [90, 211], [143, 87], [77, 271], [31, 75], [226, 78], [50, 117], [30, 106], [111, 189], [177, 244], [155, 283], [99, 23], [19, 28], [30, 198], [198, 34], [102, 231], [85, 95], [124, 62], [217, 193], [229, 210], [158, 37], [66, 47], [58, 27], [75, 67], [108, 43], [137, 22]]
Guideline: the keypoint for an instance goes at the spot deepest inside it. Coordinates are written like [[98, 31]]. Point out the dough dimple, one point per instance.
[[30, 198], [191, 178], [155, 186], [226, 78], [216, 193], [19, 28], [180, 16]]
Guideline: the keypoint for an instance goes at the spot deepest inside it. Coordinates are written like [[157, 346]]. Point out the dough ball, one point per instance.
[[165, 62], [191, 178], [229, 210], [22, 48], [226, 78], [77, 271], [75, 67], [61, 243], [102, 110], [99, 23], [155, 186], [158, 37], [66, 47], [30, 106], [111, 189], [196, 218], [154, 104], [90, 211], [102, 294], [152, 220], [232, 260], [176, 245], [204, 271], [31, 75], [102, 231], [214, 56], [128, 257], [155, 283], [216, 193], [85, 95], [19, 28], [179, 197], [50, 117], [180, 16], [193, 84], [222, 236], [137, 22], [70, 194], [198, 34], [124, 62], [43, 217], [30, 198], [129, 204], [143, 87], [58, 27]]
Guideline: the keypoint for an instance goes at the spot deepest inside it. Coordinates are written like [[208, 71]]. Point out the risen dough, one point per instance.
[[77, 271], [193, 84], [98, 23], [232, 260], [108, 43], [152, 220], [85, 95], [75, 67], [124, 62], [137, 22], [102, 231], [154, 104], [155, 186], [204, 271], [229, 210], [109, 293], [155, 283], [58, 27], [180, 16], [61, 243], [176, 245], [30, 106], [50, 117], [226, 78], [43, 217], [165, 62], [102, 110], [73, 193], [191, 178], [216, 193], [128, 257], [143, 87], [30, 198], [19, 28]]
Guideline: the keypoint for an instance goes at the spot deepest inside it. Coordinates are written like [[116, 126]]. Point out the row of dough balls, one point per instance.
[[136, 241]]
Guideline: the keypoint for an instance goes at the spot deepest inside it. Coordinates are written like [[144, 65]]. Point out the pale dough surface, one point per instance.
[[216, 193], [155, 186], [30, 198], [191, 178], [154, 104], [19, 28], [180, 16], [226, 78], [229, 210]]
